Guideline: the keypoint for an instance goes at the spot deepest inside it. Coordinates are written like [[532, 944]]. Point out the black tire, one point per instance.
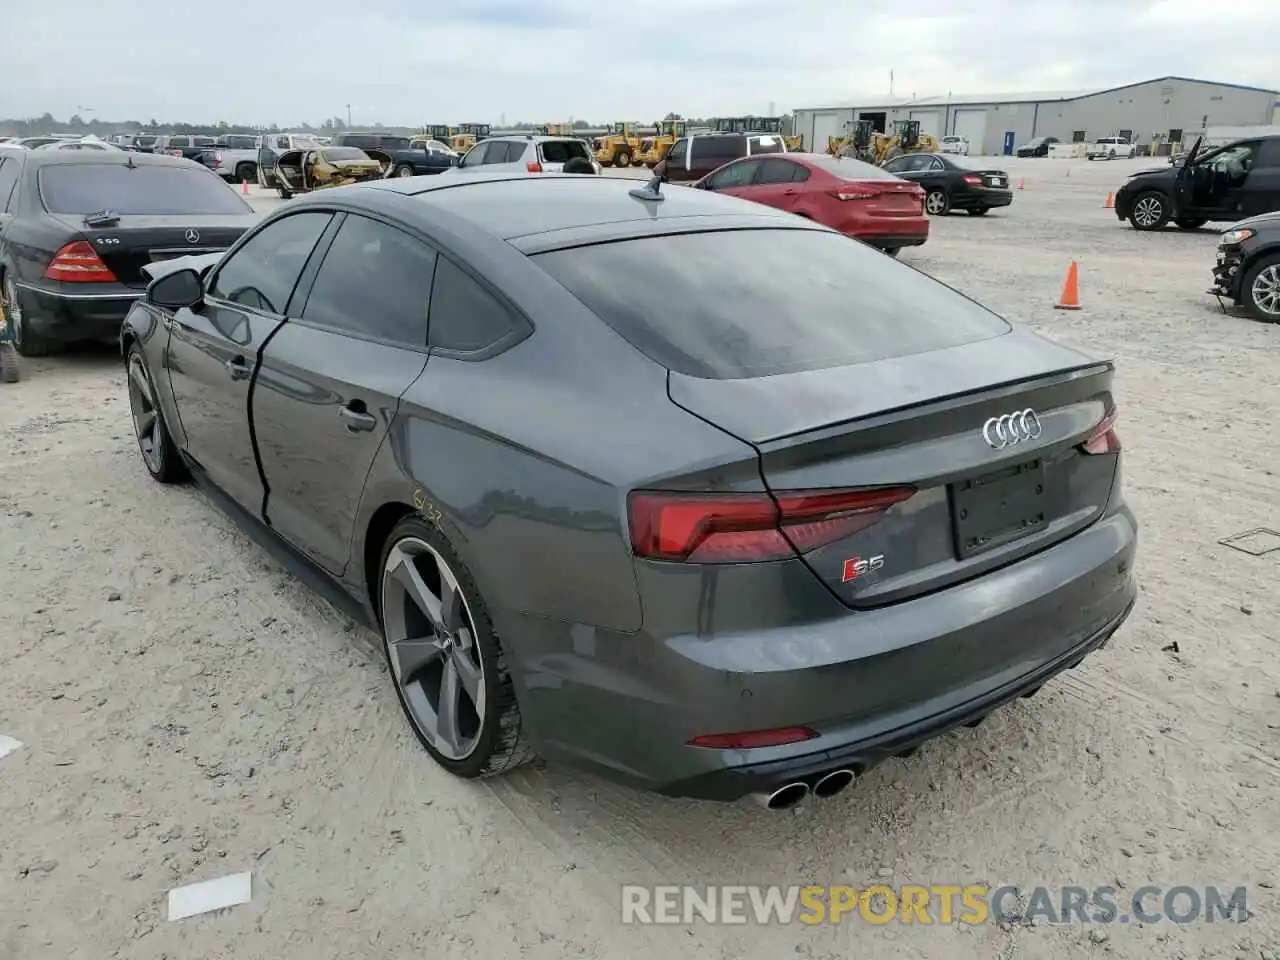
[[501, 744], [10, 371], [1267, 312], [159, 453], [1150, 211], [622, 159], [246, 172], [978, 211], [1190, 223], [26, 341], [1111, 155], [404, 170], [892, 251], [937, 202]]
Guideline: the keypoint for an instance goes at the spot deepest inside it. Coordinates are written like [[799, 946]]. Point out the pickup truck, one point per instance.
[[183, 146], [407, 160], [237, 157]]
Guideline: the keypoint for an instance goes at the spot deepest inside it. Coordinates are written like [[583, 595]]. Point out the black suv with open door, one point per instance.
[[1220, 185]]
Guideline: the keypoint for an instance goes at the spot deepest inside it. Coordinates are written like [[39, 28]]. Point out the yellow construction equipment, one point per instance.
[[864, 143], [654, 148], [619, 147], [754, 124], [467, 135]]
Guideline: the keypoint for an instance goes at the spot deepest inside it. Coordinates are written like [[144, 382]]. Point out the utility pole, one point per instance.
[[348, 115]]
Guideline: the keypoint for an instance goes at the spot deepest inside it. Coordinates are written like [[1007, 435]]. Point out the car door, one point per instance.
[[1262, 189], [778, 182], [735, 179], [212, 351], [331, 379]]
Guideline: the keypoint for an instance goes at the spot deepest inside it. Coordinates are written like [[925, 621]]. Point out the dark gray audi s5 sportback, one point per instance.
[[693, 492]]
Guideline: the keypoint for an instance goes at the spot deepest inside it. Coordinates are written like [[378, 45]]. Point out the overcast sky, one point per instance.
[[449, 61]]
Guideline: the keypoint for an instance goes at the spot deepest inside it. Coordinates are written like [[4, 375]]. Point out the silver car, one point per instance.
[[525, 154]]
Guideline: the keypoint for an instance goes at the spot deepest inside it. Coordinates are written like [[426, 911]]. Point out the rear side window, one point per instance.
[[464, 316], [9, 168], [677, 151], [81, 188], [750, 303], [558, 151], [722, 149], [375, 282], [355, 140], [766, 145]]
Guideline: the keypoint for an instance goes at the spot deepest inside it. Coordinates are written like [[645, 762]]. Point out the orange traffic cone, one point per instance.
[[244, 187], [1022, 183], [1110, 202], [1070, 298]]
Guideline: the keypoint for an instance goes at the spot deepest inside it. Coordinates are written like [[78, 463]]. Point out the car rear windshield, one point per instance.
[[768, 144], [558, 151], [344, 154], [83, 188], [392, 143], [750, 303], [849, 169]]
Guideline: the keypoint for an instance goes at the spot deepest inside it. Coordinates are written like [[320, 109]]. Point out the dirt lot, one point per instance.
[[189, 710]]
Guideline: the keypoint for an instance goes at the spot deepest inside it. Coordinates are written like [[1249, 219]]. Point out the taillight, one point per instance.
[[533, 166], [754, 738], [857, 191], [1104, 438], [78, 262], [972, 179], [217, 158], [749, 527]]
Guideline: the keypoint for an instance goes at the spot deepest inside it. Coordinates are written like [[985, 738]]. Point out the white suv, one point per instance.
[[1108, 148], [527, 154], [955, 145]]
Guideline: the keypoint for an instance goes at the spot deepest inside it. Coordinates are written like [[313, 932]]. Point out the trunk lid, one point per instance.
[[919, 421], [132, 242], [886, 198], [998, 179]]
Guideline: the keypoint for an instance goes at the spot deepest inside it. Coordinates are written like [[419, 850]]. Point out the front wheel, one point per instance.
[[1190, 223], [623, 159], [159, 453], [404, 170], [1261, 290], [1150, 211], [445, 657], [937, 202], [893, 251]]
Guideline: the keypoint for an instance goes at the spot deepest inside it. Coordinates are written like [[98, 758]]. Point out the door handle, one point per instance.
[[357, 418], [788, 192], [238, 369]]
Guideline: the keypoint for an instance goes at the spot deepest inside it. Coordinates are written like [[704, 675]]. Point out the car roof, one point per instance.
[[116, 158], [592, 208]]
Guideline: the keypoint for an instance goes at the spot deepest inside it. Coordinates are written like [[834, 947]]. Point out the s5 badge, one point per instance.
[[856, 567]]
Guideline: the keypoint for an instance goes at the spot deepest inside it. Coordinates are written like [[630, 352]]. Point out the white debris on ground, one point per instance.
[[210, 895], [8, 745], [195, 706]]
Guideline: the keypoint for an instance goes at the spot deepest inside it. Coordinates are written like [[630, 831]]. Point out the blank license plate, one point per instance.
[[990, 511]]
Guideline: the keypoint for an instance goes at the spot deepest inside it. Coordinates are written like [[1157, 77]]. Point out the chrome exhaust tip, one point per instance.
[[832, 783], [785, 797]]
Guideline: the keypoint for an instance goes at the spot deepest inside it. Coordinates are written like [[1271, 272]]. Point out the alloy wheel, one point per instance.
[[1148, 211], [146, 419], [431, 644], [936, 202], [404, 172], [1266, 291]]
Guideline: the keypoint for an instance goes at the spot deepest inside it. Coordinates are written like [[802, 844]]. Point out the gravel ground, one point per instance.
[[189, 710]]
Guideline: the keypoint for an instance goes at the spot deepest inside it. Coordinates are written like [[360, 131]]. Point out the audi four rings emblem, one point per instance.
[[193, 236], [1011, 429]]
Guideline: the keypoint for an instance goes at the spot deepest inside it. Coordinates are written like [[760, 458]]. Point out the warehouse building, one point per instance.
[[1159, 111]]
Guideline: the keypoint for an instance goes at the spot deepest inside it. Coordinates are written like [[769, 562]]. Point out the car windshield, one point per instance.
[[849, 169], [751, 303], [343, 154], [84, 188]]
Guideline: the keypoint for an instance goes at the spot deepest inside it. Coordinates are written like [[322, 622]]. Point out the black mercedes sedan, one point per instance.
[[807, 511], [952, 183], [76, 228]]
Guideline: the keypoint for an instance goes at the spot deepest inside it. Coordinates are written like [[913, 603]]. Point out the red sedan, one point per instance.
[[859, 200]]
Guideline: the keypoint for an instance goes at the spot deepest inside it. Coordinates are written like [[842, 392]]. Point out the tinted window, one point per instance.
[[748, 303], [238, 143], [8, 177], [719, 149], [262, 273], [515, 150], [465, 316], [734, 175], [677, 151], [344, 153], [354, 140], [558, 151], [375, 282], [394, 143], [765, 145], [1268, 156], [80, 188], [781, 171]]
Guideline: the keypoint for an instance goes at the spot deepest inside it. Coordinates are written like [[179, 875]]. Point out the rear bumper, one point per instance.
[[986, 197], [60, 311], [909, 231], [871, 683], [885, 240]]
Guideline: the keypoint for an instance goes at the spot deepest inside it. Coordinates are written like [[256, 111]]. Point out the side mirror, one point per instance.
[[176, 290]]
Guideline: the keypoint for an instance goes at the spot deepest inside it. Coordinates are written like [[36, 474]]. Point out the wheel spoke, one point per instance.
[[407, 575], [139, 380], [447, 706], [469, 676], [146, 423], [412, 655], [452, 617]]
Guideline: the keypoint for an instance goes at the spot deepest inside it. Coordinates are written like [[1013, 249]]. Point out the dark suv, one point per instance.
[[693, 157], [1221, 185], [1247, 271]]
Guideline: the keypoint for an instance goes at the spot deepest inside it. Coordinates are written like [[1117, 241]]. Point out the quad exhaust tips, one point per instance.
[[785, 797], [792, 794]]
